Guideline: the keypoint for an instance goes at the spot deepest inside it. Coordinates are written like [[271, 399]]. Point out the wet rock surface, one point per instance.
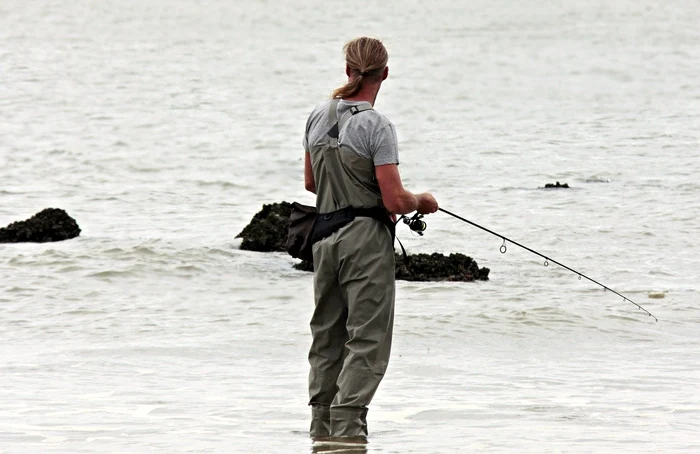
[[304, 266], [438, 267], [431, 267], [50, 224], [556, 185], [267, 232]]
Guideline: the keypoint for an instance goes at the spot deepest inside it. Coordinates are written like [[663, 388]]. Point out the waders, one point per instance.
[[354, 291]]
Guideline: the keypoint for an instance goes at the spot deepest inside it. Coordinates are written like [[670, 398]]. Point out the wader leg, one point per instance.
[[349, 422], [328, 341], [320, 421], [367, 279]]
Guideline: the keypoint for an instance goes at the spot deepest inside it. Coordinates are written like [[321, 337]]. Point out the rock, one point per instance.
[[438, 267], [557, 185], [267, 231], [304, 266], [50, 224], [430, 267]]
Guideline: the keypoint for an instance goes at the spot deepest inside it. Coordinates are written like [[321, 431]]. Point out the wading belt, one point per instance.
[[329, 223]]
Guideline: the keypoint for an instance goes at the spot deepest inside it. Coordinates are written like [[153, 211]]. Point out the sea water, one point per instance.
[[162, 127]]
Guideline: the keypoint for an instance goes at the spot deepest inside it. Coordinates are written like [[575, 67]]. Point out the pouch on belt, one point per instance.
[[307, 226]]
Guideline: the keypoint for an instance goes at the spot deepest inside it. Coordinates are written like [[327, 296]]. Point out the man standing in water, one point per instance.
[[352, 161]]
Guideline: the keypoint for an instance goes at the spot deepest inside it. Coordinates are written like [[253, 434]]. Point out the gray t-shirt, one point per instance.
[[368, 133]]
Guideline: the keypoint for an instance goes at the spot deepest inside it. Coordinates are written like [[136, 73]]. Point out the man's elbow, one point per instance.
[[310, 186]]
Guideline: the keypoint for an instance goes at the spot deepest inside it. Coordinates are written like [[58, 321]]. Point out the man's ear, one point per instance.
[[386, 73], [347, 70]]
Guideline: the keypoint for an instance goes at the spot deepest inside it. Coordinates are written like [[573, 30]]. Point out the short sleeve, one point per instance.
[[305, 140], [385, 146]]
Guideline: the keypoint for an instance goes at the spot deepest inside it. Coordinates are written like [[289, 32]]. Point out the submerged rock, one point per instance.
[[50, 224], [430, 267], [304, 265], [267, 231], [556, 185]]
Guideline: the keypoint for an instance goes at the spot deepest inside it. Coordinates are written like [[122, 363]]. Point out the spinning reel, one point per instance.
[[416, 223]]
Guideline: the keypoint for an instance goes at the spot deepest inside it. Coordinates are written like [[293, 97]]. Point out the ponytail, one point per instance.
[[366, 57]]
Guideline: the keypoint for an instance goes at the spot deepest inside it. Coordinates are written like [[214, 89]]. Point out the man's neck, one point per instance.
[[368, 94]]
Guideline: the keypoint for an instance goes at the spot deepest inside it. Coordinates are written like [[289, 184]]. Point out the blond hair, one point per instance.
[[367, 58]]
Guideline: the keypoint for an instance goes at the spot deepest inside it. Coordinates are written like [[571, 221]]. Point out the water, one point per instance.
[[162, 127]]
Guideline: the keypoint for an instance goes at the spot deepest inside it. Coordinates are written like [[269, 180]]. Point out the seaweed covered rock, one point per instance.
[[267, 231], [438, 267], [50, 224], [556, 185], [431, 267], [304, 265]]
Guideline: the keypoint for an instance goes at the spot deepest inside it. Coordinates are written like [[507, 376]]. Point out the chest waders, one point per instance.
[[354, 290]]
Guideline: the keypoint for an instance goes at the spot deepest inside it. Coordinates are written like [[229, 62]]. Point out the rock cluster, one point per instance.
[[430, 267], [438, 267], [556, 185], [50, 224], [267, 232]]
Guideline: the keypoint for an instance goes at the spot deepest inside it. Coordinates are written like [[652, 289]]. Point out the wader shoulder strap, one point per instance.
[[331, 160], [354, 110], [333, 129], [335, 125], [360, 108]]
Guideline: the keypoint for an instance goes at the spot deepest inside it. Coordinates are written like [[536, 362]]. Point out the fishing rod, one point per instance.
[[416, 224]]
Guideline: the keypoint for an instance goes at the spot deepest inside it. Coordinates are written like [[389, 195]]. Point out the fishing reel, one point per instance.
[[416, 223]]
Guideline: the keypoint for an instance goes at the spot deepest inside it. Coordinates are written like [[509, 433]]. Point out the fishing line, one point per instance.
[[418, 223]]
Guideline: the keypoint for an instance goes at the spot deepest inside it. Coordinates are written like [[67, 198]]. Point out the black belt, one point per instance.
[[328, 223]]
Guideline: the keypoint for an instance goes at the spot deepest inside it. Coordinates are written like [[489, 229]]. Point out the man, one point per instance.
[[352, 161]]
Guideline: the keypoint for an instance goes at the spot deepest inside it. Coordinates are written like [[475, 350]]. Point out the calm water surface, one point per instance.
[[163, 126]]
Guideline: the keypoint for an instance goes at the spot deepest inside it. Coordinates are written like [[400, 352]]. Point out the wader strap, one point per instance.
[[333, 131], [331, 159], [360, 108], [333, 122], [354, 110], [335, 125]]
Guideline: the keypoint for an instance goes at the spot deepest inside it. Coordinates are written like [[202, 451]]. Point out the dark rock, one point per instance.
[[438, 267], [557, 185], [50, 224], [267, 231], [304, 266], [430, 267]]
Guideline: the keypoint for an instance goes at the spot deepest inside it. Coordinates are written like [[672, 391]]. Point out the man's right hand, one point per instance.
[[426, 203]]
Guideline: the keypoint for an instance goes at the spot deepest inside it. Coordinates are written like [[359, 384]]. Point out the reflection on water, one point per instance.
[[354, 445]]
